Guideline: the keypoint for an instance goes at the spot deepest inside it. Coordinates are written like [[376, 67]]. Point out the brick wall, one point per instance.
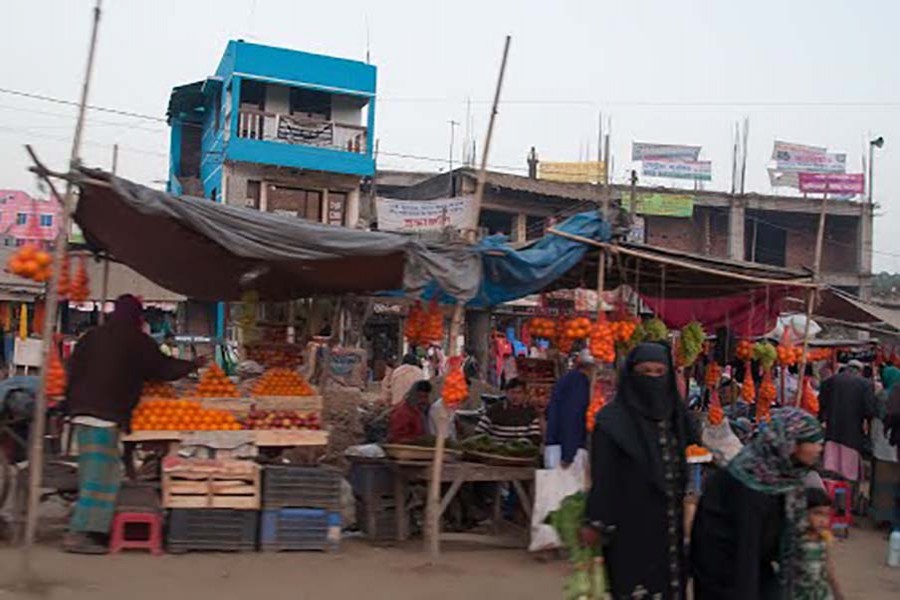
[[689, 234], [840, 249]]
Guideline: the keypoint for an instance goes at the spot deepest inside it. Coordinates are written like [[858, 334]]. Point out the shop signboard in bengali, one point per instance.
[[572, 172], [797, 158], [641, 151], [416, 216], [678, 169], [832, 183], [661, 205]]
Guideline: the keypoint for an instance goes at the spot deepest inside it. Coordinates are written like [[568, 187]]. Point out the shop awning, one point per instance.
[[848, 309], [209, 251]]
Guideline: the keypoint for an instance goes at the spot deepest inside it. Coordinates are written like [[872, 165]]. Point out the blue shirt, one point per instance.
[[566, 414]]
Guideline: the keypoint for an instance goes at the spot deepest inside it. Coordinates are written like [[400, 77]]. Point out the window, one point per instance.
[[495, 221], [310, 103], [21, 218], [306, 204], [46, 220], [765, 243], [534, 227]]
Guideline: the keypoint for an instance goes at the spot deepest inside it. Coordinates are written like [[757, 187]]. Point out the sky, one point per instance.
[[820, 72]]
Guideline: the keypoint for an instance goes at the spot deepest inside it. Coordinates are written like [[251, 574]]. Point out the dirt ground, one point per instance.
[[357, 571]]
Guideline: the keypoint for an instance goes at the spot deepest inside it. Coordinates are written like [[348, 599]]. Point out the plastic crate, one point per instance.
[[379, 525], [291, 486], [299, 529], [216, 529]]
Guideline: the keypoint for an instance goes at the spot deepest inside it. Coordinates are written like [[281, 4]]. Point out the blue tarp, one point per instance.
[[510, 274]]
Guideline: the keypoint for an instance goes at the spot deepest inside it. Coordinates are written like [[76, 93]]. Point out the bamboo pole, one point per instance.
[[104, 291], [38, 425], [811, 294], [432, 508]]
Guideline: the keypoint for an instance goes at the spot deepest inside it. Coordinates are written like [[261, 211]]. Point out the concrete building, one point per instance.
[[277, 130], [775, 230], [24, 219]]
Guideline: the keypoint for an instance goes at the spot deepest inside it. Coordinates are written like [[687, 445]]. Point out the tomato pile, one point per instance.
[[282, 382], [181, 415], [215, 384]]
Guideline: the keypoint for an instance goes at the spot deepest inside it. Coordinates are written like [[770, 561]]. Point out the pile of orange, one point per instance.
[[598, 401], [789, 355], [55, 374], [540, 327], [624, 329], [744, 350], [159, 389], [456, 390], [696, 451], [817, 354], [31, 262], [215, 384], [181, 415], [603, 341], [577, 328], [282, 382]]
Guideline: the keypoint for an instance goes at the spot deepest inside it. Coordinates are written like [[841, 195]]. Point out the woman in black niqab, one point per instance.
[[639, 472]]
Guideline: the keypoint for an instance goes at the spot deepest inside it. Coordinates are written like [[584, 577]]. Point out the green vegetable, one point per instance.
[[765, 353], [692, 338], [587, 581]]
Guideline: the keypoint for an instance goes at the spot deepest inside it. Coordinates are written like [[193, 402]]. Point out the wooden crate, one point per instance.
[[291, 437], [219, 483]]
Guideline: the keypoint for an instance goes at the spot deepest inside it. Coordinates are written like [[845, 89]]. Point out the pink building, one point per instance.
[[25, 219]]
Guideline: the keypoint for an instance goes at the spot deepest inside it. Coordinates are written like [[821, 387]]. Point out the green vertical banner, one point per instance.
[[661, 204]]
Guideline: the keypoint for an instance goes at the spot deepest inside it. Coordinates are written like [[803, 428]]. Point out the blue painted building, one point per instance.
[[277, 130]]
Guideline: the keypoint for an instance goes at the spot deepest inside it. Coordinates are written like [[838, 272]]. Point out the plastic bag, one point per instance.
[[551, 487], [721, 441]]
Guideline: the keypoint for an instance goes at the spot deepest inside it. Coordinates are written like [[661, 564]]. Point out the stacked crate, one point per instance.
[[301, 508], [373, 487], [213, 504]]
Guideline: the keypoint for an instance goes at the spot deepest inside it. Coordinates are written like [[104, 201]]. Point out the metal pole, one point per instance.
[[871, 171], [432, 507], [36, 446]]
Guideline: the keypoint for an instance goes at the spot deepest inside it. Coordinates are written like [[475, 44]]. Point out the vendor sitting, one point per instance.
[[408, 418], [512, 418]]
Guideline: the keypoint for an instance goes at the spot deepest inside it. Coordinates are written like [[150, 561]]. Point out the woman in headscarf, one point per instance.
[[753, 513], [639, 472], [107, 370], [886, 450]]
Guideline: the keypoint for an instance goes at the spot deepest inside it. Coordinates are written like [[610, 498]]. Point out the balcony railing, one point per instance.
[[290, 129]]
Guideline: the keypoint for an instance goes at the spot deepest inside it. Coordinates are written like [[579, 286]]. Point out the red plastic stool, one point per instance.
[[153, 541], [841, 495]]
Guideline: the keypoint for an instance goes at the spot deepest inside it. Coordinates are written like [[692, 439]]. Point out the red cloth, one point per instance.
[[746, 314], [407, 424]]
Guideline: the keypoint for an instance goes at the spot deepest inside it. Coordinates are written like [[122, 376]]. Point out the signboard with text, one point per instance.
[[412, 216], [662, 205], [832, 183], [798, 158], [641, 151], [678, 169], [572, 172]]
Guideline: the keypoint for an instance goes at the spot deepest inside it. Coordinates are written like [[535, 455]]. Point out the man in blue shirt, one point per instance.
[[566, 436]]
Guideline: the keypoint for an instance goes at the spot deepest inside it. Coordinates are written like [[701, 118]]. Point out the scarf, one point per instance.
[[766, 465], [890, 376]]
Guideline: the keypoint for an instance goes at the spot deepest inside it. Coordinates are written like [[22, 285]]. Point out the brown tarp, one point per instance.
[[209, 251]]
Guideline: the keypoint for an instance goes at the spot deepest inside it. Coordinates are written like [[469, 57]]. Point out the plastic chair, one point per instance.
[[841, 495], [153, 541]]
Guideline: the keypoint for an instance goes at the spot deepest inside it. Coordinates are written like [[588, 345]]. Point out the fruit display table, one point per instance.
[[266, 438]]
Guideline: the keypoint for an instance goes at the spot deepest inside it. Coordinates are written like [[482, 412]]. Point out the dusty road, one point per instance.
[[358, 571]]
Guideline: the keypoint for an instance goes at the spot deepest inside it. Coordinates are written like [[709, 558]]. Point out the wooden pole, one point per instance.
[[811, 294], [38, 425], [432, 508], [104, 292]]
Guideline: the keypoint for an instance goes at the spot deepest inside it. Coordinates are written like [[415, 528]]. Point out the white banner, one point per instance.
[[797, 158], [410, 216], [644, 151], [678, 169]]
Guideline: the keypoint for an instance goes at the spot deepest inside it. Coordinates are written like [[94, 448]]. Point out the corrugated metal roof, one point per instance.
[[521, 183]]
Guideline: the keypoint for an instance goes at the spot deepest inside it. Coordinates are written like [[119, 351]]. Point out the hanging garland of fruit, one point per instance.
[[602, 340], [748, 386], [540, 327], [63, 286], [31, 262], [652, 330], [623, 329], [716, 414], [690, 344], [433, 330], [713, 375], [37, 321], [415, 323], [598, 401], [809, 401], [767, 396], [765, 353], [80, 289], [788, 354], [455, 390], [55, 375]]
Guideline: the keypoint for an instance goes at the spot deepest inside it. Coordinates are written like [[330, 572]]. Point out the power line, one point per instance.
[[114, 111]]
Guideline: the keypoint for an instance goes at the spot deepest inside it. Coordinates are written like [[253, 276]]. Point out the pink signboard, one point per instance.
[[832, 183]]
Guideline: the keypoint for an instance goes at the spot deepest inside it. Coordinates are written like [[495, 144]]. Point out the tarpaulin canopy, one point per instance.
[[846, 308], [210, 251]]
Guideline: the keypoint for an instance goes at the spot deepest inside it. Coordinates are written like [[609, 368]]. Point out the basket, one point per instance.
[[299, 529], [301, 487], [220, 530], [416, 453]]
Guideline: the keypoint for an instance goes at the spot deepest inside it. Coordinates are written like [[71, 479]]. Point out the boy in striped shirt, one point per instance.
[[511, 419]]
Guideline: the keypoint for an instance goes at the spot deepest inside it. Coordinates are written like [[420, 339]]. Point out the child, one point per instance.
[[817, 580]]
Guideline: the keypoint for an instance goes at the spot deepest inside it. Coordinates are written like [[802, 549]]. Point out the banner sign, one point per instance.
[[662, 205], [832, 183], [641, 151], [678, 169], [798, 158], [410, 216], [572, 172]]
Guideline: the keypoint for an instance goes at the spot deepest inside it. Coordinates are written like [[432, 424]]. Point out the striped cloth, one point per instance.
[[99, 478], [506, 423]]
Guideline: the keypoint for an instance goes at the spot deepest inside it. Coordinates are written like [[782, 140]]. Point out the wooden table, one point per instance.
[[458, 473]]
